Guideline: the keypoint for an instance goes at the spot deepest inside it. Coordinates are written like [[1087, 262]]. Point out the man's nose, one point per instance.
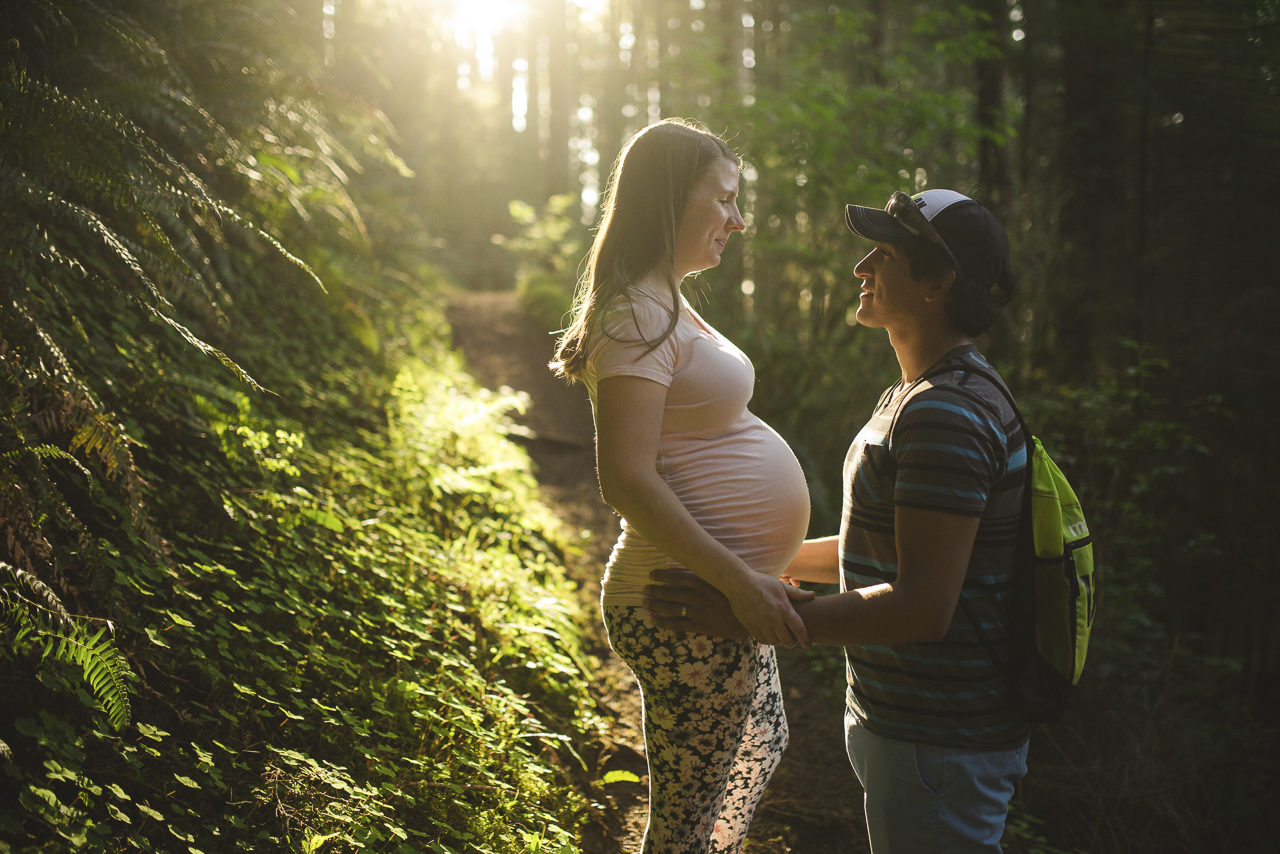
[[863, 270]]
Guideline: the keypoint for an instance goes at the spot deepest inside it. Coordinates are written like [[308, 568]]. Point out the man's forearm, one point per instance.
[[933, 554], [883, 614]]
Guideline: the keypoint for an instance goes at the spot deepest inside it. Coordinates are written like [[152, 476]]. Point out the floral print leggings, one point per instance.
[[714, 730]]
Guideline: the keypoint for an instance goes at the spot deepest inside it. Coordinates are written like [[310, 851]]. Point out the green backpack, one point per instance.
[[1054, 587]]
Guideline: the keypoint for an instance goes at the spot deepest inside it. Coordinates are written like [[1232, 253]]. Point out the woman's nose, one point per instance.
[[736, 222]]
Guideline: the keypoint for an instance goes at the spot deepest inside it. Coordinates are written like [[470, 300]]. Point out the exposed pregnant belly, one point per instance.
[[746, 489]]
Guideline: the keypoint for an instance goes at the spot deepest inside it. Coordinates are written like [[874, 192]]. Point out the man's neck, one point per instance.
[[919, 347]]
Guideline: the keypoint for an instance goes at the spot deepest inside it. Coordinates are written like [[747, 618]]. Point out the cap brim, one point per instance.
[[875, 224]]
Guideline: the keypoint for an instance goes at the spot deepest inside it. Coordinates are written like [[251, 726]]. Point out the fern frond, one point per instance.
[[43, 621], [40, 200], [48, 452], [22, 509], [208, 349], [21, 524], [122, 249], [103, 669], [97, 436], [244, 223], [64, 371], [48, 600]]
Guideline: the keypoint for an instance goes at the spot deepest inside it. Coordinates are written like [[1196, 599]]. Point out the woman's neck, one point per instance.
[[656, 280]]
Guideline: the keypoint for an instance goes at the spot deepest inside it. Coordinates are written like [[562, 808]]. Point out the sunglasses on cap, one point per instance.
[[903, 208]]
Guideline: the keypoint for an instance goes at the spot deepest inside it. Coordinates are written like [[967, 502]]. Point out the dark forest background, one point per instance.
[[153, 154]]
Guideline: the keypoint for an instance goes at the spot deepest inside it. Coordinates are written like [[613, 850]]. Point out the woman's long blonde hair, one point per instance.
[[646, 198]]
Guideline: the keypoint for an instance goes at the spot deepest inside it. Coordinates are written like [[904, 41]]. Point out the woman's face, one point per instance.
[[710, 216]]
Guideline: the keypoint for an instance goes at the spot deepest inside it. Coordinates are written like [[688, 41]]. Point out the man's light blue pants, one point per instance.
[[923, 799]]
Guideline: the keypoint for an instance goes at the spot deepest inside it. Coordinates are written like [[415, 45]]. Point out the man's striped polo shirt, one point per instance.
[[949, 443]]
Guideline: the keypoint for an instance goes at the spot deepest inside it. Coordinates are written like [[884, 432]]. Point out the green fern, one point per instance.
[[131, 220], [38, 622]]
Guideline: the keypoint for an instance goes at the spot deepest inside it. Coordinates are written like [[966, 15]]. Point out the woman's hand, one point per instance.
[[764, 609], [680, 601]]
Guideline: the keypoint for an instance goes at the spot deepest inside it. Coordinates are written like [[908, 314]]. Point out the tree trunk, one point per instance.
[[560, 79], [994, 187], [1098, 162], [730, 26], [609, 120], [504, 53]]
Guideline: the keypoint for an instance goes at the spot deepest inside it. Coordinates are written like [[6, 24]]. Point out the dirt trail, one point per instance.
[[813, 804]]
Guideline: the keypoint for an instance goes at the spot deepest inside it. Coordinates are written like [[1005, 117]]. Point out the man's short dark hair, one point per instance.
[[971, 307]]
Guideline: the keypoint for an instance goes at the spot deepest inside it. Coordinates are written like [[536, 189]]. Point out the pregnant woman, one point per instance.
[[698, 480]]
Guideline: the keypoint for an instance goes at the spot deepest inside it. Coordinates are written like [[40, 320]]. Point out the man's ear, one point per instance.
[[939, 286]]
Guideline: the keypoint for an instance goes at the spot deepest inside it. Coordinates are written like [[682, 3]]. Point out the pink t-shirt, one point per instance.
[[734, 474]]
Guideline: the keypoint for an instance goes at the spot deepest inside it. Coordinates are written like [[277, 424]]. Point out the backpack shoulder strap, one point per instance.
[[989, 377], [1025, 545], [893, 422]]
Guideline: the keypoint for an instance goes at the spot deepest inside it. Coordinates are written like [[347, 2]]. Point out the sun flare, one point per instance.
[[485, 18], [480, 20]]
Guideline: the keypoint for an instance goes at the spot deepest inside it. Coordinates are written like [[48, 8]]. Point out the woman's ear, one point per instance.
[[939, 286]]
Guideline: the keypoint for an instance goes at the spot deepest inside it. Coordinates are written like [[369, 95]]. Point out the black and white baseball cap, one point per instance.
[[974, 236]]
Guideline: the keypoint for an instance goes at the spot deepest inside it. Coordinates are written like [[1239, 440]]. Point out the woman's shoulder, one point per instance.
[[642, 312]]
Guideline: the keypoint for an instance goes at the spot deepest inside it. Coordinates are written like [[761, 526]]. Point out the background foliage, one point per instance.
[[325, 603]]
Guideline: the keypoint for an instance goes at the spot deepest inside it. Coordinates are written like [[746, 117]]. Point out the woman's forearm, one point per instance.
[[818, 561], [650, 507]]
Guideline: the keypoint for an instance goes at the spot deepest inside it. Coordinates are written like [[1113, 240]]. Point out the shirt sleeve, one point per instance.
[[621, 346], [949, 450]]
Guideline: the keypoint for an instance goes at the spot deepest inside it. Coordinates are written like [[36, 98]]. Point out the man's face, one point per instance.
[[890, 296]]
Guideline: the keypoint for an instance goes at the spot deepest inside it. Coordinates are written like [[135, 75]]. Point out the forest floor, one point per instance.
[[813, 804]]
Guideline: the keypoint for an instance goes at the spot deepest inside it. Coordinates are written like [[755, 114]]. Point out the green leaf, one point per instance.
[[180, 620], [619, 777], [328, 520], [314, 842], [155, 637]]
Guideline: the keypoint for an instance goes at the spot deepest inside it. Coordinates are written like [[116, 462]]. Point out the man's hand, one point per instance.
[[682, 602]]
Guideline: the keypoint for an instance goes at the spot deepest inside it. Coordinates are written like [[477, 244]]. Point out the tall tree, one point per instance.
[[995, 186], [1097, 154], [562, 97]]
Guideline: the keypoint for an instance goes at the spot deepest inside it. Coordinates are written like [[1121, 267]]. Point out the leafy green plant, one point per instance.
[[340, 619], [1131, 447], [550, 247], [34, 618]]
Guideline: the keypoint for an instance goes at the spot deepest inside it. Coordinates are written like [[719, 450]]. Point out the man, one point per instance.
[[932, 501]]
